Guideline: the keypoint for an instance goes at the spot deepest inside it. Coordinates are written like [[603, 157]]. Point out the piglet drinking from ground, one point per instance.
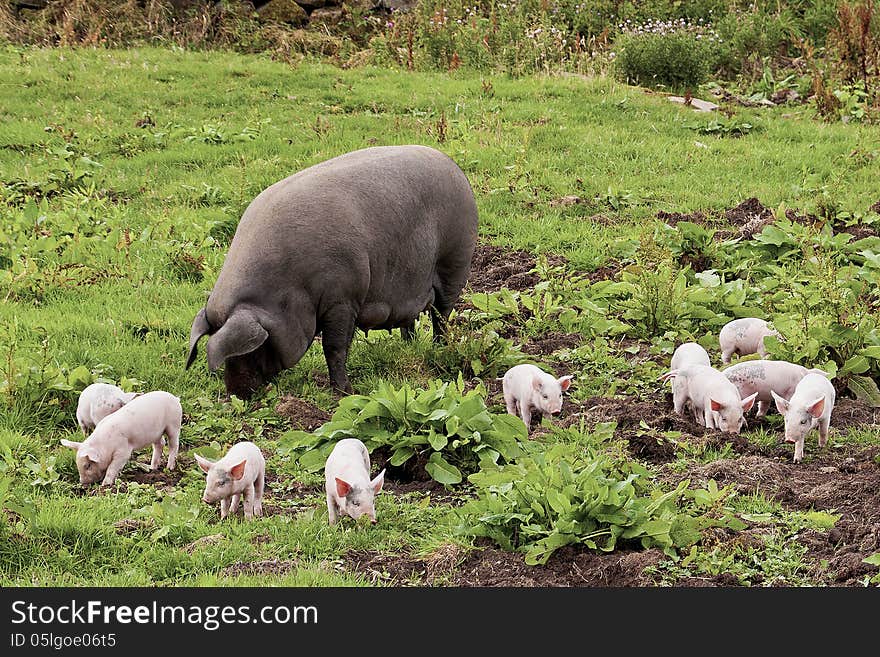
[[809, 407], [241, 473], [714, 400], [97, 401], [765, 377], [744, 336], [527, 387], [349, 489], [142, 421]]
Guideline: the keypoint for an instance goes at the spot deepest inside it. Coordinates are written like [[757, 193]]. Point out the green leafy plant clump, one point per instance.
[[450, 428], [545, 501], [673, 54]]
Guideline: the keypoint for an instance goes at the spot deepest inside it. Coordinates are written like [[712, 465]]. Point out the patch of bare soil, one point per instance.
[[158, 478], [654, 410], [438, 492], [411, 470], [845, 483], [672, 218], [267, 567], [852, 413], [489, 566], [303, 415], [747, 211], [494, 267], [858, 231], [749, 217], [875, 207], [552, 342]]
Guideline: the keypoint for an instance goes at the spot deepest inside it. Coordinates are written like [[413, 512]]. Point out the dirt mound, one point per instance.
[[161, 477], [747, 211], [858, 231], [494, 267], [672, 218], [303, 415]]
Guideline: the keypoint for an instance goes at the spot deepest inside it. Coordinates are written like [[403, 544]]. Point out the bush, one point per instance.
[[545, 501], [448, 428], [676, 55]]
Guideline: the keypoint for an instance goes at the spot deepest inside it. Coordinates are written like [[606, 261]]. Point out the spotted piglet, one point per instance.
[[97, 401], [766, 376], [350, 492], [527, 388], [743, 337], [241, 473]]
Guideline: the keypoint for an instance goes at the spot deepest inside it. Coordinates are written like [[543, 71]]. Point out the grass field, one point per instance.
[[123, 176]]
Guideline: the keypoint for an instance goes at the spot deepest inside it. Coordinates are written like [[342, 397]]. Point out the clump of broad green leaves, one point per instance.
[[564, 496], [452, 429]]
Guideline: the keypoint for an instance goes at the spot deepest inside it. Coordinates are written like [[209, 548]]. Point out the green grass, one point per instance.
[[225, 127]]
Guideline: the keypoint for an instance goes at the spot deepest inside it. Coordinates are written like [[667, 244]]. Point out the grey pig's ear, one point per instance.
[[199, 328], [240, 335]]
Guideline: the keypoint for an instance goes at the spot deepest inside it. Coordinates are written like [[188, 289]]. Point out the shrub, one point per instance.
[[676, 54], [545, 501], [450, 429]]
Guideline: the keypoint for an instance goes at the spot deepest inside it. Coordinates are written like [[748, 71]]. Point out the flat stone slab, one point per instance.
[[696, 103]]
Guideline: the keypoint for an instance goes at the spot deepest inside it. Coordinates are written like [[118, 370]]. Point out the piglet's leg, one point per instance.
[[224, 508], [259, 485], [233, 505], [173, 434], [708, 418], [763, 407], [799, 451], [157, 454], [526, 414], [116, 464], [331, 509], [823, 431], [249, 502], [510, 403]]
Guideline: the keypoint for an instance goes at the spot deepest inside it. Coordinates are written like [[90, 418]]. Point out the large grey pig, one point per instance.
[[765, 377], [369, 239]]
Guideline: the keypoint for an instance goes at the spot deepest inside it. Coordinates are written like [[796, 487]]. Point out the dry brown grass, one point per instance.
[[118, 23]]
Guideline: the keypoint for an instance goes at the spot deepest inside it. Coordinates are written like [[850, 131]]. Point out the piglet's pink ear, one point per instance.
[[715, 405], [237, 471], [342, 487], [536, 383], [565, 381], [378, 482], [749, 401], [815, 409], [204, 463]]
